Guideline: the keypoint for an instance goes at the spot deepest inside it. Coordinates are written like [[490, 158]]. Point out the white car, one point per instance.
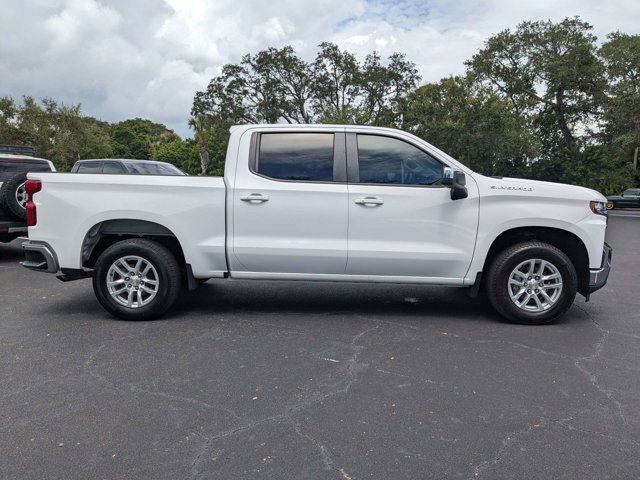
[[322, 202]]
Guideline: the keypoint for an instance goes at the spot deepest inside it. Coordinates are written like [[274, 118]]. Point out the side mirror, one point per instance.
[[455, 180]]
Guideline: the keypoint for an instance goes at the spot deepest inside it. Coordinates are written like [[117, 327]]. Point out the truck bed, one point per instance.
[[70, 205]]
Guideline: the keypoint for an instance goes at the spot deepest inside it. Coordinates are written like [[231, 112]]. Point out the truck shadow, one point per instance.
[[320, 298], [11, 253]]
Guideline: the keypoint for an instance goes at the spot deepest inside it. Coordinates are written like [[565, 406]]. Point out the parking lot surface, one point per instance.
[[321, 381]]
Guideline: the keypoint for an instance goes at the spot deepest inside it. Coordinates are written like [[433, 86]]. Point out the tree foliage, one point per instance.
[[135, 138], [185, 154], [57, 131], [621, 106], [275, 85], [471, 123], [549, 71]]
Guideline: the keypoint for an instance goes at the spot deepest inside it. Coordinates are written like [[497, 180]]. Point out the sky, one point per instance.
[[146, 58]]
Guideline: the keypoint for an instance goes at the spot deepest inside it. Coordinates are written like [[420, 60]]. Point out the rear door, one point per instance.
[[402, 221], [290, 204]]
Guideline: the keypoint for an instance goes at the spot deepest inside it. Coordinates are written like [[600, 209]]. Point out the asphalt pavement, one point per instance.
[[288, 380]]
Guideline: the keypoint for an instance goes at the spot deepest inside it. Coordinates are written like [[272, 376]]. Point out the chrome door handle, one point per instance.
[[254, 197], [369, 201]]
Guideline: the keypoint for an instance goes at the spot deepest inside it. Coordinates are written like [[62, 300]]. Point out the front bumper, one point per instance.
[[40, 256], [598, 277]]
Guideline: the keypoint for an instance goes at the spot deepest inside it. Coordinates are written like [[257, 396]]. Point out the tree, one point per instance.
[[181, 153], [276, 85], [621, 106], [549, 71], [8, 115], [135, 138], [185, 154], [336, 85], [198, 125], [472, 123], [386, 88], [58, 132]]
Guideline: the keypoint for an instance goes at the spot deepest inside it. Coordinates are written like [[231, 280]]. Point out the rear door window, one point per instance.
[[304, 157]]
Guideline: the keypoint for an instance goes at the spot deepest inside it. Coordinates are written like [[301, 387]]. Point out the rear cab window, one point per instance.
[[296, 156]]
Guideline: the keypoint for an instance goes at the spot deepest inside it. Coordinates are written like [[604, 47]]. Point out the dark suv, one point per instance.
[[15, 162], [125, 166]]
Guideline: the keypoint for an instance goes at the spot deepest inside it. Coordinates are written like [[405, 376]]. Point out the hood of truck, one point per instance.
[[540, 188]]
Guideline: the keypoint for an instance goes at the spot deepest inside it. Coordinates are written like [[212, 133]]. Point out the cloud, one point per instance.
[[147, 58]]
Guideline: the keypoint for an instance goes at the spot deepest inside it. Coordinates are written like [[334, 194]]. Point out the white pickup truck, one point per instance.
[[321, 202]]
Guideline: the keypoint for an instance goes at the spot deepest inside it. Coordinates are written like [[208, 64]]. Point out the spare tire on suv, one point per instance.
[[13, 195]]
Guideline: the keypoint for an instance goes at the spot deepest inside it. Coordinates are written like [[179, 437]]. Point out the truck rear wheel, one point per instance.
[[136, 279], [532, 283]]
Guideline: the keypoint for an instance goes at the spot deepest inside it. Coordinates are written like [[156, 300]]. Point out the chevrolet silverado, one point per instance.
[[324, 203]]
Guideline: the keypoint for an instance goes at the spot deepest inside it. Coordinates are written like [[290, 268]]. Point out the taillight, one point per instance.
[[31, 186]]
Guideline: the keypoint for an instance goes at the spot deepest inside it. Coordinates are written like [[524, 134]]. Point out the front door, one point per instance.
[[290, 205], [402, 222]]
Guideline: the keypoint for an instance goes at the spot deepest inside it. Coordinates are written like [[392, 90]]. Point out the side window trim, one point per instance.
[[339, 157], [353, 166]]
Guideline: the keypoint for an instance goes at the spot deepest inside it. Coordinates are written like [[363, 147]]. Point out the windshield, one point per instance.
[[153, 168]]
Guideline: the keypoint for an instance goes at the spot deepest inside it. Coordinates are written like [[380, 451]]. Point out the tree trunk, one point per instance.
[[569, 139], [204, 155]]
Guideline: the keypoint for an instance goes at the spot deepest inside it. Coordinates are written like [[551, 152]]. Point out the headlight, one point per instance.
[[598, 208]]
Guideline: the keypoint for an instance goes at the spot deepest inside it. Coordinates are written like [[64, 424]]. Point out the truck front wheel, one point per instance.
[[531, 283], [136, 279]]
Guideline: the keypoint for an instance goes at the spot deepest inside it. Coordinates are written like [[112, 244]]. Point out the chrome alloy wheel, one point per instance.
[[21, 195], [535, 285], [132, 281]]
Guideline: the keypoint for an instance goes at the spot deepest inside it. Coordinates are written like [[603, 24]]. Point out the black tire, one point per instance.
[[162, 260], [8, 196], [505, 262], [610, 205]]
